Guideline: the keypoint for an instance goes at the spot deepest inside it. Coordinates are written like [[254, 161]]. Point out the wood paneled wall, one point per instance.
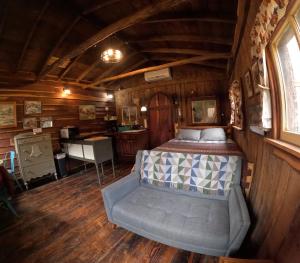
[[275, 193], [63, 109], [188, 81]]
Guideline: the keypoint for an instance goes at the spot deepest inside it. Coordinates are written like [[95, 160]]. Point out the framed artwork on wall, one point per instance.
[[87, 112], [129, 115], [32, 107], [8, 115], [204, 111], [30, 123], [257, 79], [46, 122], [248, 84]]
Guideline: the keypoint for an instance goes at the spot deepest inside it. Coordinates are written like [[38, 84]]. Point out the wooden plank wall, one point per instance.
[[187, 81], [275, 194], [63, 109]]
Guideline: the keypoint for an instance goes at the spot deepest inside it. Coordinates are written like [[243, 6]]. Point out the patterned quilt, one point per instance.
[[208, 174]]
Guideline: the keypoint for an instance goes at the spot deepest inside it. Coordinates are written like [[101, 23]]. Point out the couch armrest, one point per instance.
[[117, 190], [239, 219]]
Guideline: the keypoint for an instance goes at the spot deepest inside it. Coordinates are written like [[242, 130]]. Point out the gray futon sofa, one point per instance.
[[189, 201]]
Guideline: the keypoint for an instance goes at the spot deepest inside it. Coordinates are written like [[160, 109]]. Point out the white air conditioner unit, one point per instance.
[[162, 74]]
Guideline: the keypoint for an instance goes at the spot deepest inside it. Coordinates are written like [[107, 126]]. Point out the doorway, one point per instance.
[[160, 120]]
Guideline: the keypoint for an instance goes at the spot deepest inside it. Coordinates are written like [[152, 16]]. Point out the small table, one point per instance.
[[238, 260], [93, 150]]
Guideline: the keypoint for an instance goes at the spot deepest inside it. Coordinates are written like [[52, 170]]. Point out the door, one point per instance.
[[160, 120]]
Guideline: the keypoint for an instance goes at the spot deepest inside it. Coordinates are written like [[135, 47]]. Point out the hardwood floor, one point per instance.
[[65, 221]]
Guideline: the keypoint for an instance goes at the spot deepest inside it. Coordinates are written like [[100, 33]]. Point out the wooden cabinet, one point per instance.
[[35, 155], [129, 142]]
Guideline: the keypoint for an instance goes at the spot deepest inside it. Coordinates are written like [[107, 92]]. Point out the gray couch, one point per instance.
[[213, 225]]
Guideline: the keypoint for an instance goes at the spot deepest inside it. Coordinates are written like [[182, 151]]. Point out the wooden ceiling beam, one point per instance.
[[99, 6], [132, 67], [57, 44], [170, 64], [184, 51], [185, 38], [3, 16], [31, 33], [202, 19], [213, 65], [117, 26], [67, 69]]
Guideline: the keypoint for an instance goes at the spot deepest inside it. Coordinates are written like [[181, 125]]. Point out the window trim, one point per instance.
[[291, 21]]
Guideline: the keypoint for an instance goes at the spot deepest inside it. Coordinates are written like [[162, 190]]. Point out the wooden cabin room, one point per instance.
[[163, 131]]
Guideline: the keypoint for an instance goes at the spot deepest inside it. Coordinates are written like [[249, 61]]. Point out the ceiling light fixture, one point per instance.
[[111, 55]]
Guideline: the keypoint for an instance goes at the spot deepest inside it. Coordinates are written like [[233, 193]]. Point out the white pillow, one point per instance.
[[213, 134], [189, 134]]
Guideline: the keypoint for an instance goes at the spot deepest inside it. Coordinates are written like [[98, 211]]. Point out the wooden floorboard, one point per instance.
[[65, 221]]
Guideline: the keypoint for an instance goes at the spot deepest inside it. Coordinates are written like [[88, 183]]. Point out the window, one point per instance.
[[286, 51]]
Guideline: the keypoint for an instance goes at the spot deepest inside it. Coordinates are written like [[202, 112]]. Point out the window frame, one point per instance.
[[290, 21]]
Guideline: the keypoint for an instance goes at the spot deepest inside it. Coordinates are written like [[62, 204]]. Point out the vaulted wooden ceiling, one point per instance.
[[54, 40]]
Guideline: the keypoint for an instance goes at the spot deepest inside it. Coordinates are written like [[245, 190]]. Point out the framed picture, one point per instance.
[[129, 115], [8, 115], [204, 111], [46, 122], [256, 77], [30, 123], [87, 112], [248, 84], [32, 107]]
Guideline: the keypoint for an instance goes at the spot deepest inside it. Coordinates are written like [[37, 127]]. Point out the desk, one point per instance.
[[95, 150]]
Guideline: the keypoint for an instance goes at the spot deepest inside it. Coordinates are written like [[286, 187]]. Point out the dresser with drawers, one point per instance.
[[35, 155]]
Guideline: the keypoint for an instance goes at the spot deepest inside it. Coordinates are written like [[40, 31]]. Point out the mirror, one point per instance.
[[204, 111]]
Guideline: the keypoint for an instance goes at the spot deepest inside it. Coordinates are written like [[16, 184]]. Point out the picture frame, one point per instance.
[[204, 111], [87, 112], [129, 115], [32, 107], [248, 84], [257, 79], [29, 123], [8, 114], [46, 122]]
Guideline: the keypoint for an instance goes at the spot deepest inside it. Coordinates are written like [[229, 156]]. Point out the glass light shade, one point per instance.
[[111, 55], [143, 108]]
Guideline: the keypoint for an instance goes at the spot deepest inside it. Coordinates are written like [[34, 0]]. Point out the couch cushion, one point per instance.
[[209, 174], [175, 216]]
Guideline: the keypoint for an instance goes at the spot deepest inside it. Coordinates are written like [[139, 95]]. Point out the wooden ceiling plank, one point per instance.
[[31, 33], [117, 26], [185, 51], [99, 6], [185, 38], [57, 44], [67, 69], [132, 67], [192, 19], [3, 16], [170, 64]]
